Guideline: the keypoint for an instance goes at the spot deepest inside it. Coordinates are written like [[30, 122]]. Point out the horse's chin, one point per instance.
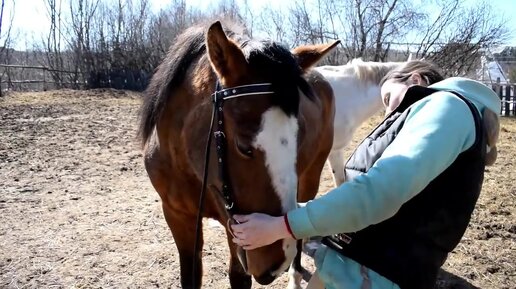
[[265, 279]]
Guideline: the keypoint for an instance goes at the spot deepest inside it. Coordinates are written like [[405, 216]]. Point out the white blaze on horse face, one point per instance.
[[277, 139]]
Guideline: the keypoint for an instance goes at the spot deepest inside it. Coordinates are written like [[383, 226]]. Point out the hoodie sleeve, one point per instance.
[[437, 129]]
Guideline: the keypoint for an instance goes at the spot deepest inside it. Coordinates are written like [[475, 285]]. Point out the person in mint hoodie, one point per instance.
[[411, 188]]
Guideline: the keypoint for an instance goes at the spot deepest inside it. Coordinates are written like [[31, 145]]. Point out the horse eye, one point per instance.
[[245, 150]]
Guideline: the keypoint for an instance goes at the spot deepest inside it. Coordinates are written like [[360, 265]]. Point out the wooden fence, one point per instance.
[[507, 94], [25, 77], [31, 77]]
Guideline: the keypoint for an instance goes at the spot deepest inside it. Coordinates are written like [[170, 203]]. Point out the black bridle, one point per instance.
[[218, 98]]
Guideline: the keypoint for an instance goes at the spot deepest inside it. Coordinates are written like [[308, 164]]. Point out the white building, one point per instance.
[[491, 71]]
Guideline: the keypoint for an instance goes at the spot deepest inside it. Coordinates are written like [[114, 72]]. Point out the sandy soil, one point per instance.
[[77, 209]]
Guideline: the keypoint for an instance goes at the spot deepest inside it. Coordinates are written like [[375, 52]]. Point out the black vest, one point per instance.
[[411, 246]]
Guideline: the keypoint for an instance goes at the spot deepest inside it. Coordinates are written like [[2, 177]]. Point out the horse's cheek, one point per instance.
[[193, 143]]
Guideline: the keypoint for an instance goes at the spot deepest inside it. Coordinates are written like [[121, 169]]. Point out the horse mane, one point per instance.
[[186, 48], [372, 71]]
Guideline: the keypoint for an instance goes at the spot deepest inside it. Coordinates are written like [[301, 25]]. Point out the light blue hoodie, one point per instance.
[[437, 129]]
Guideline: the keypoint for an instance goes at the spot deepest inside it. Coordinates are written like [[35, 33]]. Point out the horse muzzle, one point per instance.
[[266, 278]]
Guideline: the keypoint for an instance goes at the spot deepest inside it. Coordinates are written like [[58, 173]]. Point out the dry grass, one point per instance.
[[77, 209]]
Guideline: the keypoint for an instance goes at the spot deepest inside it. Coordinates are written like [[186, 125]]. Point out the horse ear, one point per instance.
[[309, 55], [225, 56]]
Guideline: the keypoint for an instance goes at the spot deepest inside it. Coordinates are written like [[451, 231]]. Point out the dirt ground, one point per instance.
[[78, 211]]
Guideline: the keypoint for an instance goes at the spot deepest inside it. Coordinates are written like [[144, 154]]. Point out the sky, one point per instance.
[[31, 20]]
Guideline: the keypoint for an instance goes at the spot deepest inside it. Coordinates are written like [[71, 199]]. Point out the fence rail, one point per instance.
[[33, 77], [35, 67]]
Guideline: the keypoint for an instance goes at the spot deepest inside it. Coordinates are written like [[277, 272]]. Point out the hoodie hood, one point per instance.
[[479, 94]]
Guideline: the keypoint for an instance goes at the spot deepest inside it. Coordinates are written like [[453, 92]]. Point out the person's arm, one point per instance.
[[436, 131]]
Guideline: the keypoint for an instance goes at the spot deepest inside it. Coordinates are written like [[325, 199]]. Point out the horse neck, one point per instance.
[[365, 101], [371, 102], [355, 99], [373, 71]]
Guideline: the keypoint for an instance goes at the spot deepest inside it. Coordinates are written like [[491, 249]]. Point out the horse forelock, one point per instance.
[[280, 67]]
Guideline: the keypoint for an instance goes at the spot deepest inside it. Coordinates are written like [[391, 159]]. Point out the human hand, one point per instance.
[[258, 230]]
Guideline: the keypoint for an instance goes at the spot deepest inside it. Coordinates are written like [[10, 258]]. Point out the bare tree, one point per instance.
[[470, 31], [370, 29], [5, 34], [53, 42], [5, 37], [393, 20], [375, 24], [309, 22], [304, 22], [366, 26], [115, 43], [249, 16], [434, 31], [82, 14], [227, 9], [166, 25], [271, 23]]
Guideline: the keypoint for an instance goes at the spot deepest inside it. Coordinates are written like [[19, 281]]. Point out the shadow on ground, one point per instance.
[[447, 280]]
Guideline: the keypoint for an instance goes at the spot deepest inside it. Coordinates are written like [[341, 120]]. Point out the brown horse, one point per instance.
[[278, 132]]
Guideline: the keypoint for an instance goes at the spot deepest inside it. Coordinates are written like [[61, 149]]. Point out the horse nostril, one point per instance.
[[265, 279]]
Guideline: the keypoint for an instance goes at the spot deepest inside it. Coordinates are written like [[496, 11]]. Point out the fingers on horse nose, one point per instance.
[[239, 228], [236, 229]]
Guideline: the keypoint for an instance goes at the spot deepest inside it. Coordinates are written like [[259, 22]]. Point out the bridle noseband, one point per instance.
[[218, 98]]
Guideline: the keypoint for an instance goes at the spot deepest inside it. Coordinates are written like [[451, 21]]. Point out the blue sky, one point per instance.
[[30, 17]]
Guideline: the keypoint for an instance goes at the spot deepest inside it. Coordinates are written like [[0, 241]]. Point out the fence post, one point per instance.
[[44, 80], [498, 89], [513, 99], [508, 100]]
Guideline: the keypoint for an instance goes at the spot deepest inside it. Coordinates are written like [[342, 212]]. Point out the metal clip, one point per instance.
[[344, 238]]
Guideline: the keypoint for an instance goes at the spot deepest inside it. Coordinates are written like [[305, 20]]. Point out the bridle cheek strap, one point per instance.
[[218, 98]]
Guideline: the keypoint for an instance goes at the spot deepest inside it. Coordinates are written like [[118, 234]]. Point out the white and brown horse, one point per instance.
[[356, 86], [275, 122], [357, 98]]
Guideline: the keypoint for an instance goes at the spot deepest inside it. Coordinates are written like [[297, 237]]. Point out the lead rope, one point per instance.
[[198, 225]]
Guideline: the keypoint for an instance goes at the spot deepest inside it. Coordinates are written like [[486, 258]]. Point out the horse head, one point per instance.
[[260, 132]]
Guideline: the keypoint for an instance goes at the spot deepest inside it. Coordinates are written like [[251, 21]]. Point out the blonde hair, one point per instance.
[[427, 70]]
